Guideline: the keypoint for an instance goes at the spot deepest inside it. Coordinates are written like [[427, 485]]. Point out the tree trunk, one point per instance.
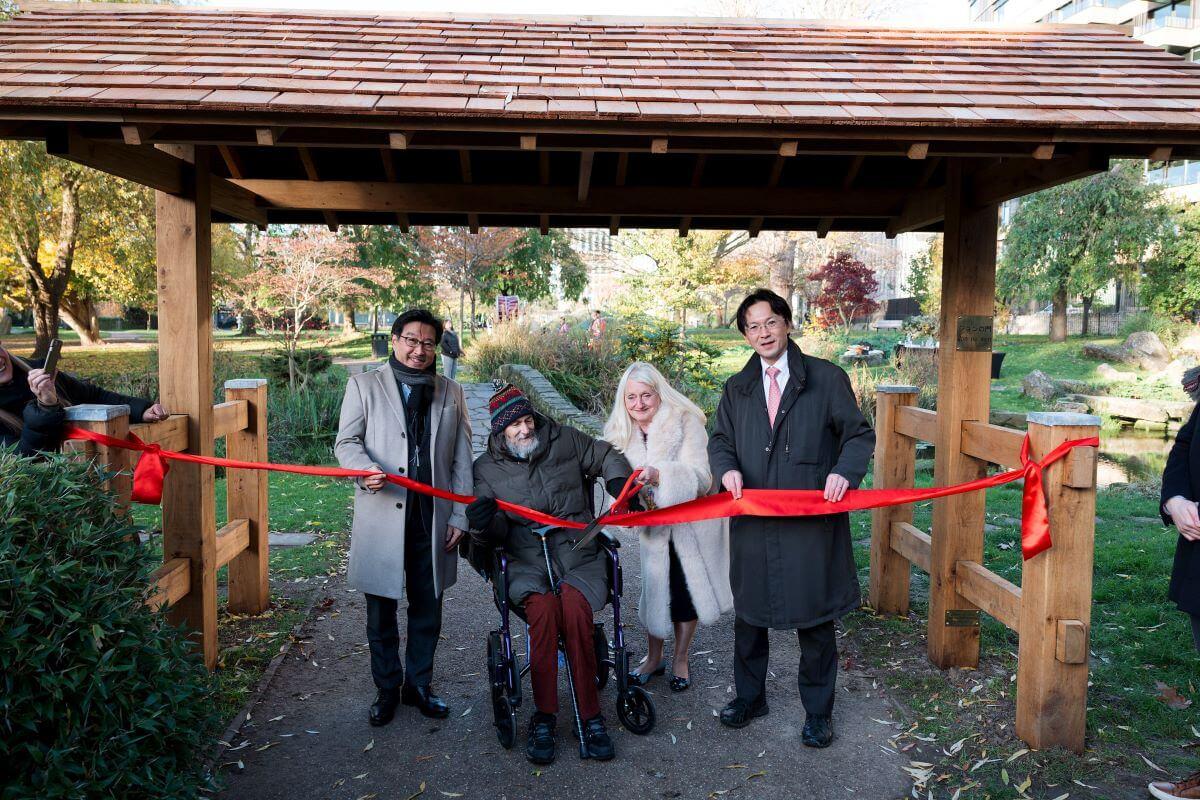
[[1058, 316], [462, 320], [80, 314], [783, 271], [349, 326], [374, 320], [45, 321], [46, 290], [1087, 312], [472, 315]]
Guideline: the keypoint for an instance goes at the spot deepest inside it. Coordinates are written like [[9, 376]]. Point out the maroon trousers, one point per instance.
[[570, 615]]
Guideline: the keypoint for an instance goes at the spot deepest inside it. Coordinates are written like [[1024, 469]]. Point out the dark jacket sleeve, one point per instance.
[[722, 448], [856, 438], [43, 429], [599, 459], [497, 530], [81, 391], [1177, 475]]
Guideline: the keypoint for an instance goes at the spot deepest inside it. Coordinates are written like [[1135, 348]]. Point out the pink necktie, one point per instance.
[[772, 395]]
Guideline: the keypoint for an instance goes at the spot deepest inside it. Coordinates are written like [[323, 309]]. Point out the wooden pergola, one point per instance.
[[591, 122]]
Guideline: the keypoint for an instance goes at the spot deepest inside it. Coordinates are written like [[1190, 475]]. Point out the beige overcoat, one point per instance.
[[372, 435]]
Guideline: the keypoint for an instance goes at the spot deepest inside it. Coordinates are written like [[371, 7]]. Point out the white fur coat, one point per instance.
[[677, 445]]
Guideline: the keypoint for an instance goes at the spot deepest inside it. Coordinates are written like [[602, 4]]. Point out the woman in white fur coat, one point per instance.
[[685, 568]]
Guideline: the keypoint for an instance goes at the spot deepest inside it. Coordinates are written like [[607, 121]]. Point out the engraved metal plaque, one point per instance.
[[974, 334], [962, 618]]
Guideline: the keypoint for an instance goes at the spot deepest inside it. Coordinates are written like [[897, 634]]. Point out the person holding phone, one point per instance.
[[34, 395]]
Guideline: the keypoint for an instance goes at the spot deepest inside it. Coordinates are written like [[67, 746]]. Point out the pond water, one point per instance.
[[1132, 457]]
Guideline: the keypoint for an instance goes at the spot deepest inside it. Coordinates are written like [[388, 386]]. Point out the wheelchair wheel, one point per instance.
[[506, 722], [635, 709], [496, 669], [603, 657]]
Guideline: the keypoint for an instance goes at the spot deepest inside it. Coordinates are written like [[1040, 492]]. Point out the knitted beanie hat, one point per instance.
[[1191, 383], [507, 406]]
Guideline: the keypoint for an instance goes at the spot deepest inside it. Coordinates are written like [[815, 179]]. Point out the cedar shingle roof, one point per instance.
[[106, 58]]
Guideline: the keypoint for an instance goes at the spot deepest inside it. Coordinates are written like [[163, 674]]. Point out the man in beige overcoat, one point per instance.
[[403, 418]]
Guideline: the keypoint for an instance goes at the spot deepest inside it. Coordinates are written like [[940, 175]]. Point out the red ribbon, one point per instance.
[[153, 464]]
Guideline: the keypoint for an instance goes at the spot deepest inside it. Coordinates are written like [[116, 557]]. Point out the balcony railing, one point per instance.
[[1182, 18], [1073, 8]]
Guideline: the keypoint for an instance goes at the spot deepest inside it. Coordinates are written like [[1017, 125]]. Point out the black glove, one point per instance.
[[615, 485], [481, 511], [634, 503]]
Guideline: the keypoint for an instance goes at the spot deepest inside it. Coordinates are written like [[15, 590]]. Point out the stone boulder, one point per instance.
[[1041, 386], [1142, 349], [1111, 373], [1190, 344]]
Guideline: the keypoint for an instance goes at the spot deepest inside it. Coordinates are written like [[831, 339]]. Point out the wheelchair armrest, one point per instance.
[[608, 541]]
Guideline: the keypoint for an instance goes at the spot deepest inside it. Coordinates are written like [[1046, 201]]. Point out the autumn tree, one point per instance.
[[847, 286], [464, 260], [684, 266], [532, 264], [1076, 239], [924, 282], [300, 274], [1171, 279]]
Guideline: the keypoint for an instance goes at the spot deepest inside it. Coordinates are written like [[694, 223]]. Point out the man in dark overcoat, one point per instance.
[[788, 421]]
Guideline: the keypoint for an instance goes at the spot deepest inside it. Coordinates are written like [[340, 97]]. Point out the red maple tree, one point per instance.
[[846, 288]]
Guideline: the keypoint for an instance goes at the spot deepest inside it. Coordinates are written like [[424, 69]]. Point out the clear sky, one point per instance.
[[918, 12]]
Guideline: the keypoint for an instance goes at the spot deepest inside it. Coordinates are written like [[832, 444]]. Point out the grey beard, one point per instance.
[[522, 450]]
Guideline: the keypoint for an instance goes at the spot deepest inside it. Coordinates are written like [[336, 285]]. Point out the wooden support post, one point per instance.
[[246, 495], [111, 421], [968, 290], [1056, 596], [185, 385], [895, 467]]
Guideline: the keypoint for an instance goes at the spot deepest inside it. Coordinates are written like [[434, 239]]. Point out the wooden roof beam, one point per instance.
[[675, 202], [685, 223], [151, 167], [269, 136], [1161, 154], [614, 224], [918, 150], [659, 146], [136, 134], [398, 141], [529, 143], [1043, 152], [389, 170], [585, 174], [856, 162], [473, 223], [310, 169], [756, 223], [233, 161], [464, 165]]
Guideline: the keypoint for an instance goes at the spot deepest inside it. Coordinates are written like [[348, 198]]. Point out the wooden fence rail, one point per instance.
[[1051, 609], [240, 544]]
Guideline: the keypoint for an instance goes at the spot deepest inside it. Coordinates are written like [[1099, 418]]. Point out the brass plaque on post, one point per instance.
[[974, 334], [962, 618]]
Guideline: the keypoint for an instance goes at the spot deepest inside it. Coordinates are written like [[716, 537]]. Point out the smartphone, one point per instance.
[[51, 365]]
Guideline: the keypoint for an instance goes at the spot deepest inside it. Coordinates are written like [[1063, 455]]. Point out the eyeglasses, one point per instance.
[[414, 342], [770, 326]]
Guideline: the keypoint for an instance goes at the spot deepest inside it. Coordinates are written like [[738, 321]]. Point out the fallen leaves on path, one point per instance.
[[1171, 696]]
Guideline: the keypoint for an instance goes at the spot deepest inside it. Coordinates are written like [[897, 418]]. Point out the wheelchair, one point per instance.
[[635, 709]]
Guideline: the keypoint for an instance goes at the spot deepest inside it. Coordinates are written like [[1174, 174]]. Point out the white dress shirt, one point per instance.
[[781, 378]]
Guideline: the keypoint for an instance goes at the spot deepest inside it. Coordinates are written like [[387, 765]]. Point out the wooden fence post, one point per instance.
[[111, 421], [246, 494], [1056, 592], [895, 467]]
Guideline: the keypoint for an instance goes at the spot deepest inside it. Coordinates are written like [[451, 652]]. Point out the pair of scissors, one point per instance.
[[630, 488]]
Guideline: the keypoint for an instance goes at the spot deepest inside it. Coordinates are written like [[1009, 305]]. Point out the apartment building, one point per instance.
[[1173, 26]]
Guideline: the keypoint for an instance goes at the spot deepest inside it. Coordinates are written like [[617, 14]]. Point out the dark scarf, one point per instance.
[[420, 385]]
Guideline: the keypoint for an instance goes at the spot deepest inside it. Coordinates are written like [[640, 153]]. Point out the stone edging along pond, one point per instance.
[[547, 399]]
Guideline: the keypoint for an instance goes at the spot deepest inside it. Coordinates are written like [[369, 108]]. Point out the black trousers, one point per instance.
[[818, 664], [424, 620], [1196, 630], [682, 609]]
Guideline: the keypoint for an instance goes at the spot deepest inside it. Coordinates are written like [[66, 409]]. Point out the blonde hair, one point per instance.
[[619, 429]]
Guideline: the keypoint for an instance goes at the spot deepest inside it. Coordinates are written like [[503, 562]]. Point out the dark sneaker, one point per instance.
[[540, 747], [595, 736], [740, 711], [818, 730]]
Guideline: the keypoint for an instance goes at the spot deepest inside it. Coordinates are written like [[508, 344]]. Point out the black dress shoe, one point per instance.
[[595, 736], [428, 703], [540, 747], [679, 684], [818, 731], [642, 678], [740, 711], [384, 707]]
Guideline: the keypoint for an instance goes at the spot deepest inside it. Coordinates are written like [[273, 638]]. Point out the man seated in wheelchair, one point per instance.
[[535, 462]]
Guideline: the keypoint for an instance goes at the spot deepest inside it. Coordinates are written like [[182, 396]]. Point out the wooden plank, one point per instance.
[[265, 136], [170, 583], [895, 467], [169, 434], [1161, 154], [529, 142], [398, 141], [917, 423], [659, 146], [992, 443], [968, 288], [994, 595], [229, 417], [912, 543], [184, 250], [109, 420], [246, 498], [1081, 468], [464, 165], [233, 162], [585, 175], [921, 210], [1071, 642], [232, 538], [601, 201], [1057, 586], [1043, 152], [918, 150], [1015, 177], [788, 149]]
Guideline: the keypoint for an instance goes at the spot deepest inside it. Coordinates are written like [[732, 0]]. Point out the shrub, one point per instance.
[[302, 424], [1168, 330], [310, 363], [100, 696]]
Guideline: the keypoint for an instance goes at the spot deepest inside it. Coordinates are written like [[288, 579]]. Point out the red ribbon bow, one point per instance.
[[1035, 523]]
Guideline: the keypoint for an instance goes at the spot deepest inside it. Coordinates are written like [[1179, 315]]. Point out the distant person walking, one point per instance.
[[564, 328], [451, 350], [596, 329]]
